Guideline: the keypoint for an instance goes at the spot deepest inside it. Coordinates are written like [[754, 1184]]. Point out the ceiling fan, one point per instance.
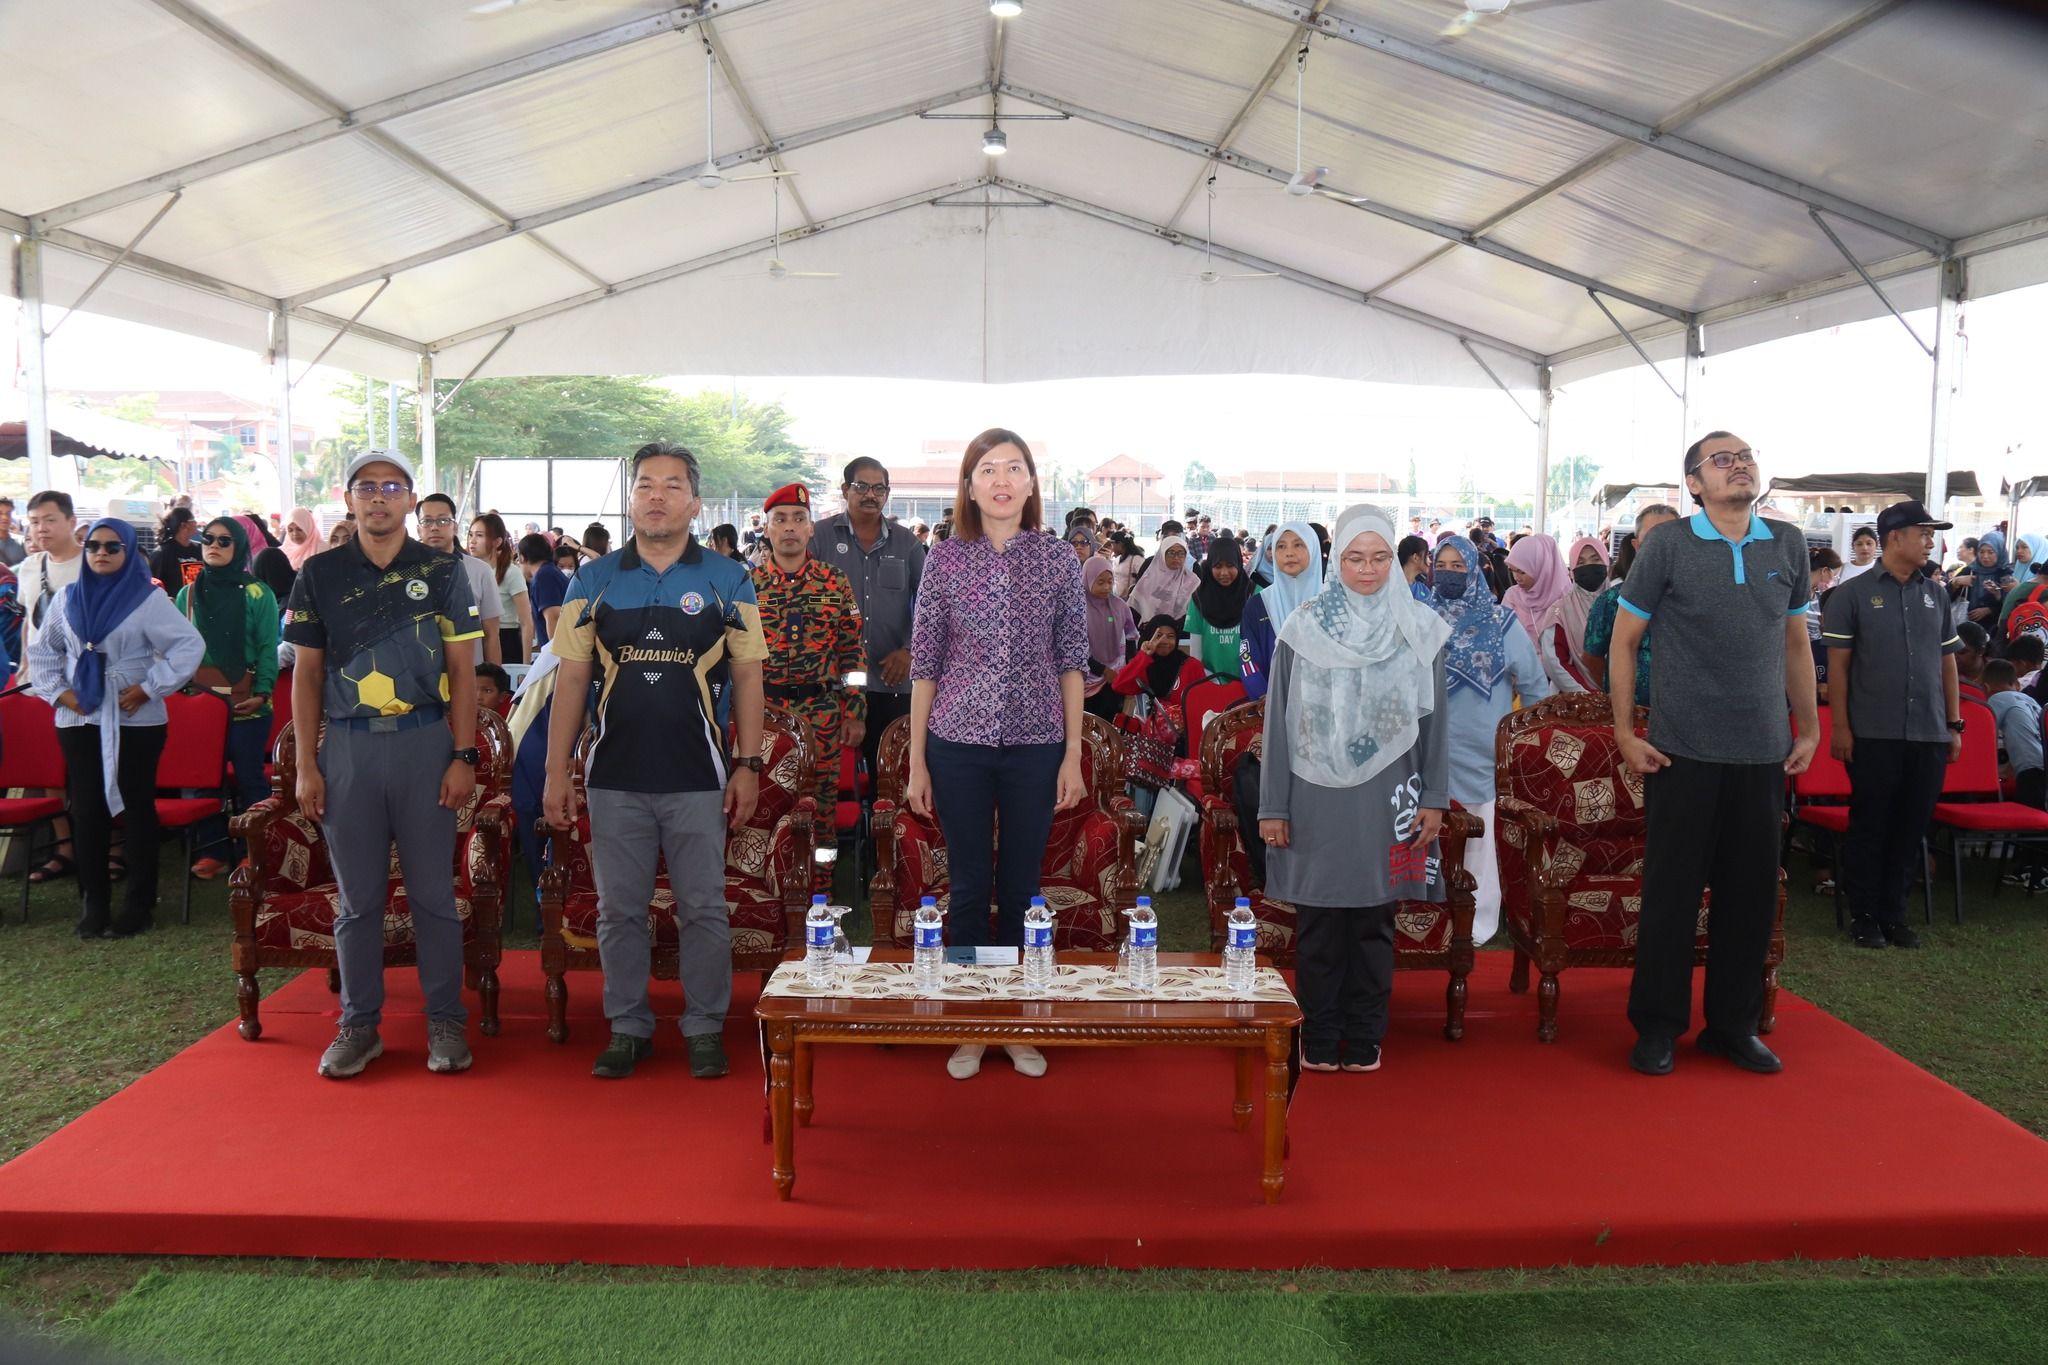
[[777, 269], [710, 177], [1306, 180], [1478, 12], [1208, 274]]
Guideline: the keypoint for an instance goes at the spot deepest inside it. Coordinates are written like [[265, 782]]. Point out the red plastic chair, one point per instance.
[[1202, 703], [1972, 804], [195, 758], [29, 758], [1820, 800], [850, 816]]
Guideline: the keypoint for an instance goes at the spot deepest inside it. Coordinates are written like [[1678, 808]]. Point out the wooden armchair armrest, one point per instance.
[[252, 824], [1540, 823]]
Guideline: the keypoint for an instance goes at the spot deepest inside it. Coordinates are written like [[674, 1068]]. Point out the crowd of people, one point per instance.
[[1384, 661]]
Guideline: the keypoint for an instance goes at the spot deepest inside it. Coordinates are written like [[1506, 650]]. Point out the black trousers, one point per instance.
[[92, 827], [883, 707], [1893, 785], [1244, 796], [1709, 825], [1105, 704], [1344, 972], [974, 786], [2030, 788]]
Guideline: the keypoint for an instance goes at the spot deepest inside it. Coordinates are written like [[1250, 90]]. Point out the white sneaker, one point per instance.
[[1028, 1060], [965, 1063]]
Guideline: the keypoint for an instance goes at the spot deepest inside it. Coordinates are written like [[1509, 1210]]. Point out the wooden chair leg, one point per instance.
[[558, 1007], [1454, 1005], [334, 981], [1518, 973], [487, 993], [246, 998], [1546, 1008]]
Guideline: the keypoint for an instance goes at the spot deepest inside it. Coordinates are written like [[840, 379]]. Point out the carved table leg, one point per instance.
[[1278, 1051], [781, 1062], [803, 1084], [1246, 1061], [246, 996], [558, 1009]]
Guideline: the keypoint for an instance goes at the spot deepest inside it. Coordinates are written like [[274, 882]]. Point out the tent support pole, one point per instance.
[[425, 411], [497, 347], [1633, 344], [391, 415], [1544, 397], [1947, 356], [35, 383], [1497, 381], [281, 377], [1695, 354], [1868, 282], [115, 264], [335, 340]]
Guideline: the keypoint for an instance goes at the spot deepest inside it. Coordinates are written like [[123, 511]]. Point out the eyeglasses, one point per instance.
[[224, 542], [370, 488], [437, 523], [1726, 459], [104, 547], [860, 489]]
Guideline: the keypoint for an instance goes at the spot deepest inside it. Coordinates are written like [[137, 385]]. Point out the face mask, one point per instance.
[[1590, 576], [1450, 584]]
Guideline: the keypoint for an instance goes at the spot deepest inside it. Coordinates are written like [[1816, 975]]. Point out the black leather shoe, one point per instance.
[[1900, 936], [1653, 1056], [620, 1056], [1868, 934], [1748, 1053]]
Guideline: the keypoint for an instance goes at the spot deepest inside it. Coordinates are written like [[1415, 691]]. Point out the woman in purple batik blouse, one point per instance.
[[997, 653]]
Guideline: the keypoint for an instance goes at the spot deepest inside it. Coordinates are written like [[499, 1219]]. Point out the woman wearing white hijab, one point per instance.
[[1164, 588], [1355, 784]]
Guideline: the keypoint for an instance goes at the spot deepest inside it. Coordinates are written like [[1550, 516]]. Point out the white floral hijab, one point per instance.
[[1364, 673]]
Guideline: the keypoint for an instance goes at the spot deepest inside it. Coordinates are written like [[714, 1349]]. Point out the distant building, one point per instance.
[[202, 420], [1128, 489]]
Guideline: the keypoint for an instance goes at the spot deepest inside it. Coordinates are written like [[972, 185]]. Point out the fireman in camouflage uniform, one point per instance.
[[812, 623]]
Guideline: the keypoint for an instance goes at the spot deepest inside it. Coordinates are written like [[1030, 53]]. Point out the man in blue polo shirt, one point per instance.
[[1728, 592], [669, 630]]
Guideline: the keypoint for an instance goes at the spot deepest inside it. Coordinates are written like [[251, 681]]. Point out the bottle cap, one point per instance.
[[1244, 902], [1038, 900], [929, 900], [817, 900]]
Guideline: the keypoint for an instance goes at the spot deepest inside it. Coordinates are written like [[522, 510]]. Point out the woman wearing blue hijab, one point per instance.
[[1993, 580], [111, 649], [1297, 566], [1488, 662]]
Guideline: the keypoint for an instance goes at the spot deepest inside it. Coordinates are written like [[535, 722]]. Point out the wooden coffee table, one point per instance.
[[876, 1004]]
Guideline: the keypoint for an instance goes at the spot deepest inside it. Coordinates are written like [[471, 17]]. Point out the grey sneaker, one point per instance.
[[447, 1050], [351, 1051]]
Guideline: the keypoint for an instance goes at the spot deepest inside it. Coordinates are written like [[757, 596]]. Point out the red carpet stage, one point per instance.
[[1494, 1151]]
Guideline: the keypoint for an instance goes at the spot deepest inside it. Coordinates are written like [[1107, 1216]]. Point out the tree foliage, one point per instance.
[[741, 447], [1198, 477]]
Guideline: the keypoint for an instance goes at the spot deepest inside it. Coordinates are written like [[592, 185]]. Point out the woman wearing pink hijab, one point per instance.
[[1561, 643], [1540, 582], [301, 537]]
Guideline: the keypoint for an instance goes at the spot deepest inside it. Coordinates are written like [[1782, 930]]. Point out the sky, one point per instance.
[[1853, 397]]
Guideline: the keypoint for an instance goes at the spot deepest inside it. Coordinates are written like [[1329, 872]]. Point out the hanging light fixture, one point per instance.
[[994, 142], [1006, 9]]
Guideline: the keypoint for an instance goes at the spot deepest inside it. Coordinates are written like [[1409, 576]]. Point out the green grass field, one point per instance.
[[84, 1019]]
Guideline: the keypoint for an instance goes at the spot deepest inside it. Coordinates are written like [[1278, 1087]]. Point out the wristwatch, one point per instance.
[[1956, 725], [469, 756], [752, 763]]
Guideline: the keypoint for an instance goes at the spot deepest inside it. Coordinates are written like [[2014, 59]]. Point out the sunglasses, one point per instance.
[[370, 488], [104, 547], [224, 542]]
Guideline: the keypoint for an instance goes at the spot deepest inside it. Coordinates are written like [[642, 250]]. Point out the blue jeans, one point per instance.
[[248, 750], [973, 785]]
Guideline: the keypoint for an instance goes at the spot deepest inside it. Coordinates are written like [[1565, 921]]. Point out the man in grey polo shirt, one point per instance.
[[885, 563], [1897, 717], [1728, 592]]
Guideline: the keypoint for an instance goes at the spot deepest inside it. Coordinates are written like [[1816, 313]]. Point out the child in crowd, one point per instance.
[[494, 688], [2019, 744]]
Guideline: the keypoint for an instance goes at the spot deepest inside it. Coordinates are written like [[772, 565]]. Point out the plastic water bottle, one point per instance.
[[928, 946], [819, 926], [1143, 957], [1240, 949], [1038, 946]]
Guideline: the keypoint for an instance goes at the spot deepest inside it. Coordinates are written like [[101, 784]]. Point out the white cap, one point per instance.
[[378, 456]]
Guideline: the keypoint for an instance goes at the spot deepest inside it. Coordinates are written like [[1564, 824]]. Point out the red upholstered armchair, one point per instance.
[[767, 875], [1090, 871], [1426, 937], [283, 896], [1570, 837]]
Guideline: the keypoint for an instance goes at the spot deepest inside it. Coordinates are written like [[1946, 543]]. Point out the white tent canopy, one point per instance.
[[409, 182]]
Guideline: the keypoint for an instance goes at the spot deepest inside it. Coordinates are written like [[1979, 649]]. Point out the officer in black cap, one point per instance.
[[1896, 715]]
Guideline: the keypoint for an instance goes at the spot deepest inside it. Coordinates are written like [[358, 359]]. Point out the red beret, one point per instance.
[[789, 495]]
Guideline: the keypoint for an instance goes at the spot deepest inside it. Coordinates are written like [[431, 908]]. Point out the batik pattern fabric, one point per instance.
[[1070, 981], [1576, 775], [813, 628]]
